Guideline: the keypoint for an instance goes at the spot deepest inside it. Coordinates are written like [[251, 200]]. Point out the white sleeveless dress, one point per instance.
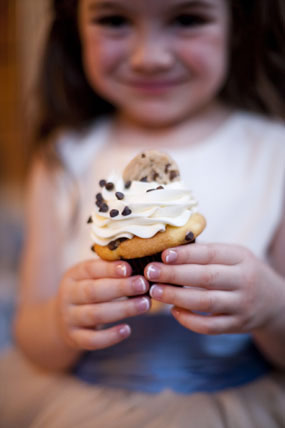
[[237, 176]]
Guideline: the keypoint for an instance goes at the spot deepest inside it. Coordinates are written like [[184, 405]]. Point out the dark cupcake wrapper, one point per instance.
[[138, 264]]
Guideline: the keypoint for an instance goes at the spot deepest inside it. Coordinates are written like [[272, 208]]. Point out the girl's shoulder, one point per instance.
[[76, 149], [256, 127]]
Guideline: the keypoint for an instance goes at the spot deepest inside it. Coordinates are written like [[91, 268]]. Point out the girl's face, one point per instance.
[[158, 61]]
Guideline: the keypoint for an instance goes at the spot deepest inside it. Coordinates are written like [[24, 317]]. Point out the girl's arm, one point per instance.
[[271, 338], [35, 325]]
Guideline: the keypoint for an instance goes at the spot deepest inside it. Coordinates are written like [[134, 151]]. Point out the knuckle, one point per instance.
[[90, 292], [250, 277], [184, 253], [130, 311], [210, 328], [88, 340], [69, 273], [65, 289], [208, 276], [169, 295], [122, 287], [241, 322], [244, 320], [211, 253], [66, 315], [73, 340], [132, 307], [170, 274], [88, 268], [209, 303], [245, 253], [96, 317], [90, 343]]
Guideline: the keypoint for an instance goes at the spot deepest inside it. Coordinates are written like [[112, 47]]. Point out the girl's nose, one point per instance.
[[151, 53]]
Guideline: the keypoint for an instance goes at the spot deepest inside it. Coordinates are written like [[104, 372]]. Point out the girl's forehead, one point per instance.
[[151, 5]]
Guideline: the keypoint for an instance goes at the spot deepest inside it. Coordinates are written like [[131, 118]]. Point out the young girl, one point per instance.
[[189, 78]]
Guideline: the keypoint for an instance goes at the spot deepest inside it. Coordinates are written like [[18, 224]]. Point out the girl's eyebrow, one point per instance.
[[106, 4], [102, 5], [194, 4]]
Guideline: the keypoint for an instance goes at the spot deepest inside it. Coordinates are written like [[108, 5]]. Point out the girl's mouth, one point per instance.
[[153, 86]]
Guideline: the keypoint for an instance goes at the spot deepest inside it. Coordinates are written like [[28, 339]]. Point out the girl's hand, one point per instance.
[[235, 291], [88, 298]]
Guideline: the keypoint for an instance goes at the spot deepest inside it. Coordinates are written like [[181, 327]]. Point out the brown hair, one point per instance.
[[255, 80], [257, 57]]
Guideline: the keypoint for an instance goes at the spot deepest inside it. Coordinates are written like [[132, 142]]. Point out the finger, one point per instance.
[[217, 324], [93, 269], [214, 302], [210, 276], [103, 313], [100, 339], [203, 254], [106, 289]]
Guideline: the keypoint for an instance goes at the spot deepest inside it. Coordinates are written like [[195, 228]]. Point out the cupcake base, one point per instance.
[[138, 264]]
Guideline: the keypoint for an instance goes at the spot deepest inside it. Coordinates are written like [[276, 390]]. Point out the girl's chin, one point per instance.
[[154, 119]]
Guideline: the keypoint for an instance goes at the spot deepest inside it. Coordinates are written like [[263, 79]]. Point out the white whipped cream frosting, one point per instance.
[[151, 211]]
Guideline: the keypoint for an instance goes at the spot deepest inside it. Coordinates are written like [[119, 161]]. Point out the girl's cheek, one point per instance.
[[205, 57], [103, 55]]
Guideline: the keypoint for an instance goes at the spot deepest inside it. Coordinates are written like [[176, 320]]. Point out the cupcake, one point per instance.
[[146, 210]]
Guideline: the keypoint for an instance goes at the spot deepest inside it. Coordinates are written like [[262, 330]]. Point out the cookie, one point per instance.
[[150, 166]]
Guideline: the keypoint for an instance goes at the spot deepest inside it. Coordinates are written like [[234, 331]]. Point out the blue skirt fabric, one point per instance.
[[161, 354]]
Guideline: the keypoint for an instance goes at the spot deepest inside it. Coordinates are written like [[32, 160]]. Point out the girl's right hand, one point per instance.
[[88, 298]]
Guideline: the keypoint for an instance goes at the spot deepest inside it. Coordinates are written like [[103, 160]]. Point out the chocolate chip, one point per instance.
[[103, 208], [114, 213], [189, 236], [126, 211], [113, 245], [110, 186], [119, 195], [155, 175], [173, 174], [160, 188], [99, 203], [92, 249], [89, 220], [102, 183], [99, 197], [128, 184], [150, 190], [167, 168], [143, 155], [144, 179]]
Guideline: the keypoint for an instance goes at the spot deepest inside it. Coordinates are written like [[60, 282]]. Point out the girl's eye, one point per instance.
[[111, 21], [187, 20]]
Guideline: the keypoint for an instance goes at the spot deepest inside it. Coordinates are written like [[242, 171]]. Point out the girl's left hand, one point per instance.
[[236, 291]]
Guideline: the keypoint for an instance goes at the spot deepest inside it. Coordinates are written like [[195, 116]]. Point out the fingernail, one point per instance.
[[142, 304], [125, 331], [139, 285], [156, 292], [171, 256], [153, 272], [121, 270]]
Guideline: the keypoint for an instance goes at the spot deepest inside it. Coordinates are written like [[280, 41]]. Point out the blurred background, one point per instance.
[[23, 25]]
